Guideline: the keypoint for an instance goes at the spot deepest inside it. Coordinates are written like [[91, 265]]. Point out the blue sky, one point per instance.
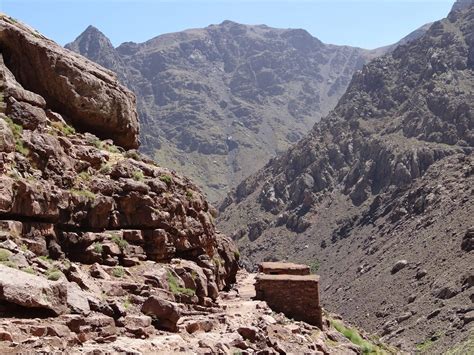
[[367, 24]]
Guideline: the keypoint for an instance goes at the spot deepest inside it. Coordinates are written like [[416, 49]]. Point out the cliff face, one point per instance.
[[382, 184], [217, 103], [86, 226]]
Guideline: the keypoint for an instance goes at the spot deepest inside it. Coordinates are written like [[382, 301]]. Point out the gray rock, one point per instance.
[[32, 291], [400, 264]]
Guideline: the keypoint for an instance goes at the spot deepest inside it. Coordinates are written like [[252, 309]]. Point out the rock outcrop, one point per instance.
[[90, 231], [65, 80], [386, 176]]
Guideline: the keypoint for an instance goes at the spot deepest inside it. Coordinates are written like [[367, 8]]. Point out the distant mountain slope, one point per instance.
[[379, 194], [217, 103]]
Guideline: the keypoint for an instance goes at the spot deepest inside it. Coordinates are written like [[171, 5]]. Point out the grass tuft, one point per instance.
[[53, 274], [166, 179], [121, 243], [354, 336], [118, 272], [176, 289]]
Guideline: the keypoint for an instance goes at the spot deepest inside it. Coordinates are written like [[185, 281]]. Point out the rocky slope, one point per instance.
[[91, 234], [217, 103], [379, 194]]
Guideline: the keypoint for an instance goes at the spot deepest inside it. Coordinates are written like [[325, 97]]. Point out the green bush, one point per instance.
[[98, 248], [121, 243], [166, 179], [112, 148], [354, 336], [138, 175], [45, 258], [53, 274], [132, 154], [314, 266], [17, 131], [64, 128], [118, 272], [106, 169], [84, 175], [85, 193], [126, 303]]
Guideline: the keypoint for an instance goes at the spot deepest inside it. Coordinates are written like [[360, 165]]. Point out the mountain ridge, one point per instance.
[[225, 96]]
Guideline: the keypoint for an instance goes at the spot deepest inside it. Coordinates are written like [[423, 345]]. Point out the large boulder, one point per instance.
[[166, 313], [89, 95], [32, 291]]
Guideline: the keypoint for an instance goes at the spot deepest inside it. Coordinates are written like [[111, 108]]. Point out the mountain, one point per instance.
[[462, 4], [379, 194], [217, 103]]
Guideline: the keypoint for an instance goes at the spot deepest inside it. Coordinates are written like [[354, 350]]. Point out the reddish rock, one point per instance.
[[32, 291], [108, 109], [167, 313]]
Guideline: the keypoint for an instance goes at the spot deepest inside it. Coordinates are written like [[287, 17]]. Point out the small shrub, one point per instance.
[[121, 243], [118, 272], [29, 270], [85, 176], [237, 254], [45, 258], [189, 195], [166, 179], [176, 289], [53, 274], [126, 303], [85, 193], [132, 154], [314, 266], [4, 255], [98, 248], [17, 131], [24, 248], [355, 338], [138, 175], [112, 148], [96, 142], [106, 169], [64, 128]]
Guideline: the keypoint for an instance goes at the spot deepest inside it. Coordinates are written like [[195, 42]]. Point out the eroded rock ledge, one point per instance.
[[80, 90]]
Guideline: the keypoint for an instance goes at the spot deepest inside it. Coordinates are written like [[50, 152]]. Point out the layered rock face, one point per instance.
[[385, 178], [86, 227], [217, 103]]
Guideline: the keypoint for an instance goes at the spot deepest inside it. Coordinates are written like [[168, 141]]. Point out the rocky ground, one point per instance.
[[234, 324], [383, 182]]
